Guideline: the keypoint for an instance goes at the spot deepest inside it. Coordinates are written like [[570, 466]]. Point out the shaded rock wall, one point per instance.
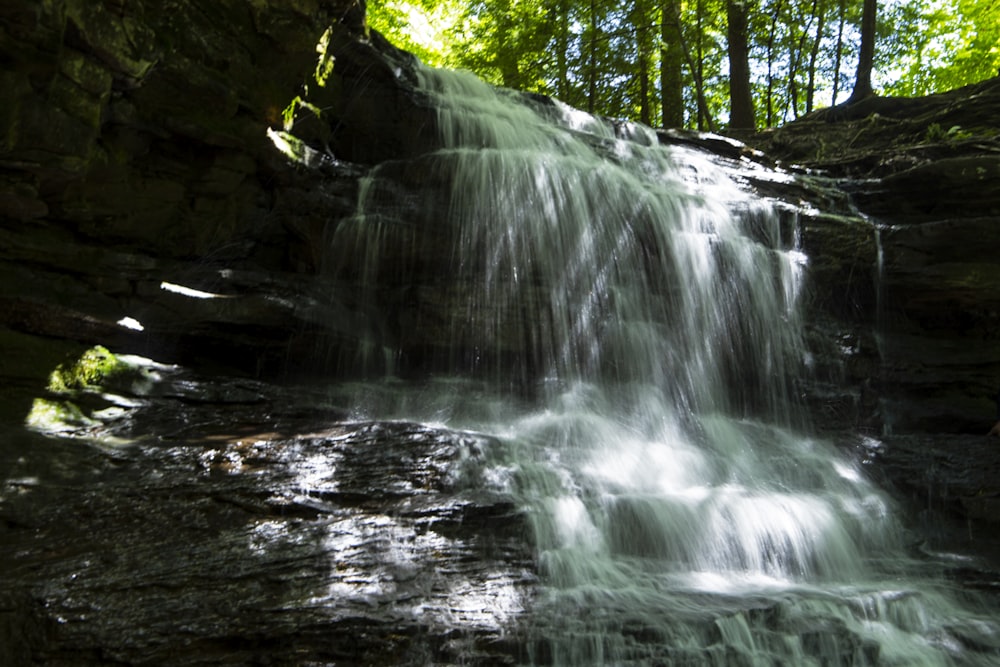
[[926, 172], [134, 150], [143, 123]]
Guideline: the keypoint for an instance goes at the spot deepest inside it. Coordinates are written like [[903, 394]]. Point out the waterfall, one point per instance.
[[625, 318]]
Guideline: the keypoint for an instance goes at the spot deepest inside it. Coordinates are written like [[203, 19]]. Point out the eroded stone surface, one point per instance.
[[206, 523], [923, 171]]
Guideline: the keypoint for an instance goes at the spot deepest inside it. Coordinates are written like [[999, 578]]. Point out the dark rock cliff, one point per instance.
[[135, 151], [149, 147], [925, 171], [141, 148]]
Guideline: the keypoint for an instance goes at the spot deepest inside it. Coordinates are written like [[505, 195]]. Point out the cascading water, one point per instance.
[[633, 315]]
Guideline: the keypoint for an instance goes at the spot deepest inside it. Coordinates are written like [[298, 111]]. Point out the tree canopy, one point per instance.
[[669, 62]]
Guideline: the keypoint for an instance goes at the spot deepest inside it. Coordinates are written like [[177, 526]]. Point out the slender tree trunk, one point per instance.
[[741, 114], [770, 62], [866, 56], [639, 18], [795, 57], [699, 79], [840, 51], [645, 111], [562, 51], [592, 60], [671, 59], [506, 59], [703, 116], [814, 55]]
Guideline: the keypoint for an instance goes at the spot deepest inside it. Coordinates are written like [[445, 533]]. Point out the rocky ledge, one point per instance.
[[159, 517], [926, 172]]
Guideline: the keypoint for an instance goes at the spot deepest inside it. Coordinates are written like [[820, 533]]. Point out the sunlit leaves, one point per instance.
[[945, 44], [608, 56], [425, 28]]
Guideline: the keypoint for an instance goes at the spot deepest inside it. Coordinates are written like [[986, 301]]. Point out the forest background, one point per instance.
[[669, 63]]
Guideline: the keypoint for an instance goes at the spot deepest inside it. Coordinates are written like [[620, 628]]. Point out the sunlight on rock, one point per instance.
[[131, 323], [491, 603], [48, 416], [266, 534], [297, 150], [191, 292], [317, 473]]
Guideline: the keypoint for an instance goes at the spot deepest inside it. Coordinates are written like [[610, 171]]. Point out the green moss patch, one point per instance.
[[92, 370]]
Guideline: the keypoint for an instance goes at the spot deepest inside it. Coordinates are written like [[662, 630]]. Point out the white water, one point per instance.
[[680, 511]]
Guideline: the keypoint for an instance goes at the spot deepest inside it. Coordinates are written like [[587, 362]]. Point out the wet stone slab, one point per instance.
[[337, 543], [950, 486]]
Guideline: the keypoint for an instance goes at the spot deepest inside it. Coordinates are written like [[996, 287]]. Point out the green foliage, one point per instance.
[[288, 113], [936, 133], [429, 30], [608, 57], [326, 61], [506, 43], [938, 46], [90, 373]]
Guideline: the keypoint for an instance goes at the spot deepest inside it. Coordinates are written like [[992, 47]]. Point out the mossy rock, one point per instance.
[[94, 369], [48, 416]]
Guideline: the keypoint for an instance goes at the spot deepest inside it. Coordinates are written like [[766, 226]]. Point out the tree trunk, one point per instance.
[[840, 51], [695, 68], [741, 114], [795, 58], [671, 63], [562, 51], [506, 58], [592, 60], [643, 47], [645, 110], [770, 63], [814, 56], [699, 71], [866, 57]]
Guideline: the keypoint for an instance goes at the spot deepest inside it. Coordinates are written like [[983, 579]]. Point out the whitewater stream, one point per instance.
[[577, 438], [646, 310]]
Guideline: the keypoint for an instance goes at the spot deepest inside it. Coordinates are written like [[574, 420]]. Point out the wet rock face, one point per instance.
[[228, 524], [924, 171], [950, 486], [941, 292], [942, 328], [135, 155]]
